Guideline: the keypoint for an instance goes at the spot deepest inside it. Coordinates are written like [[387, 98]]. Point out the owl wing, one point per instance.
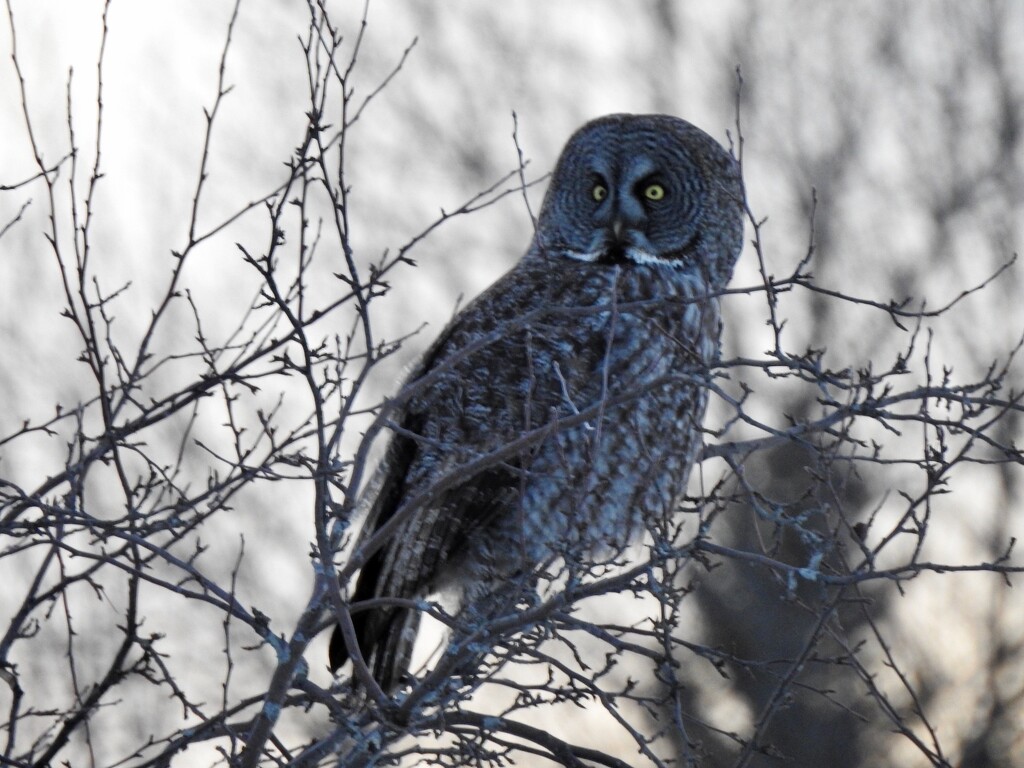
[[409, 563]]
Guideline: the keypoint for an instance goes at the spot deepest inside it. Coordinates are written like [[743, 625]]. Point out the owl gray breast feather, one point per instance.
[[562, 408]]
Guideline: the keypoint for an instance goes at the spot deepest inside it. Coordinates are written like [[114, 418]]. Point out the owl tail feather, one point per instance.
[[392, 654], [386, 639]]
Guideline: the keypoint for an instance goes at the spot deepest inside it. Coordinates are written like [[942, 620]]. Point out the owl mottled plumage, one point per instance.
[[563, 407]]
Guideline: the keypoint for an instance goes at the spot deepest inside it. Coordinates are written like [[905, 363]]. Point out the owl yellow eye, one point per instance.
[[599, 192], [654, 192]]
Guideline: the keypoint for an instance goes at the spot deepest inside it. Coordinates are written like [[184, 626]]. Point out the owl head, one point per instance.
[[644, 190]]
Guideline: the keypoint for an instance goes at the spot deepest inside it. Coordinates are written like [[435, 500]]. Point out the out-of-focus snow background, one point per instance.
[[906, 118]]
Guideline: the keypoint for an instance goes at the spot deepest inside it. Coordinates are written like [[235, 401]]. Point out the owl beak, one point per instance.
[[618, 225]]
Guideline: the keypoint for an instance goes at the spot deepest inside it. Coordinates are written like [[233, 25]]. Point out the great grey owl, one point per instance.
[[562, 408]]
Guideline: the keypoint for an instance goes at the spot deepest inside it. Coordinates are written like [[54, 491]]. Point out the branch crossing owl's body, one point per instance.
[[562, 409]]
